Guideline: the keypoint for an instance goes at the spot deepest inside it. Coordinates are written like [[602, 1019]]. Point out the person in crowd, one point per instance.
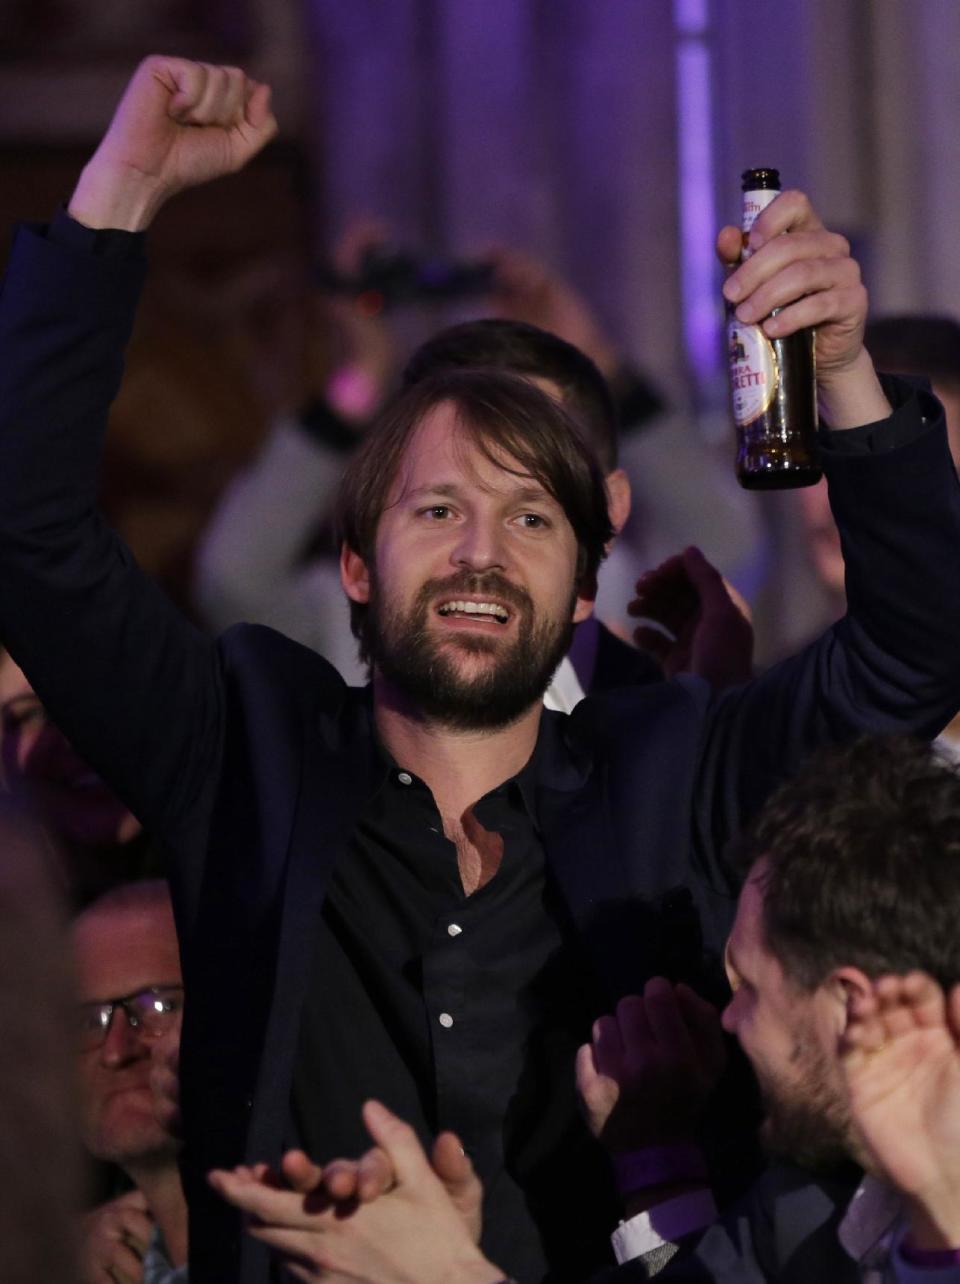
[[845, 970], [130, 1000], [40, 1174], [97, 839], [418, 892], [254, 562]]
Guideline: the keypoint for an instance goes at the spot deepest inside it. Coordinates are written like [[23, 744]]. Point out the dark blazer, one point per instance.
[[250, 758], [617, 664]]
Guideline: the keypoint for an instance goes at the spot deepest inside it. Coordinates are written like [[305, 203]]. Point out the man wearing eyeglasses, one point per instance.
[[130, 1001]]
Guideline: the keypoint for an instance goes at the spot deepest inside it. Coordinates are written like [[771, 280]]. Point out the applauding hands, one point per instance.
[[901, 1061], [389, 1217]]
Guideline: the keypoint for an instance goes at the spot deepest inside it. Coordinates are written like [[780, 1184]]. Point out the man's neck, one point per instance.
[[459, 766], [163, 1191]]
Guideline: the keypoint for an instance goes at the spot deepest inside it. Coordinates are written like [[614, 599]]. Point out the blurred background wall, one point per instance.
[[606, 136]]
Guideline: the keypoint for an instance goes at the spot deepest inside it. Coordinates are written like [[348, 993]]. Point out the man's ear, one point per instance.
[[848, 984], [618, 499], [354, 575], [585, 600]]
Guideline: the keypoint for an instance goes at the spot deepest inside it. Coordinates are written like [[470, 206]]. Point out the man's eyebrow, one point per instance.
[[531, 493], [534, 494], [449, 490]]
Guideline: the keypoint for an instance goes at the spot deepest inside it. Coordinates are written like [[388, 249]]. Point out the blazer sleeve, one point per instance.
[[891, 664], [134, 686]]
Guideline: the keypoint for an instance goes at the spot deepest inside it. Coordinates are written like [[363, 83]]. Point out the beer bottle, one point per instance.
[[772, 382]]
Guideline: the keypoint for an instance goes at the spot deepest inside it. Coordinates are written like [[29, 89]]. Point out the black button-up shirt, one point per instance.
[[460, 1012]]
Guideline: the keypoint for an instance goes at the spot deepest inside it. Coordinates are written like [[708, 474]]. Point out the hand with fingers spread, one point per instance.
[[113, 1240], [707, 623], [389, 1217], [900, 1056], [810, 279], [651, 1068], [179, 124]]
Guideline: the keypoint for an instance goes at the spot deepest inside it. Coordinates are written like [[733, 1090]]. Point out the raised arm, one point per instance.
[[805, 273], [129, 681], [179, 124], [891, 664]]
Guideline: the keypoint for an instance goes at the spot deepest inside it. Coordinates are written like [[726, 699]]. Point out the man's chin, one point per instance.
[[135, 1141], [809, 1142], [470, 643]]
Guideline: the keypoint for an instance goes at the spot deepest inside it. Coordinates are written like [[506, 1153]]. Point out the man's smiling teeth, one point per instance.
[[499, 613]]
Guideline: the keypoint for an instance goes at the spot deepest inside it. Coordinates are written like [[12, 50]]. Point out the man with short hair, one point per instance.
[[130, 997], [844, 961], [425, 891]]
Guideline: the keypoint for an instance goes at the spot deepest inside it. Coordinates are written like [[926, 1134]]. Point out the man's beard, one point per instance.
[[806, 1121], [423, 666]]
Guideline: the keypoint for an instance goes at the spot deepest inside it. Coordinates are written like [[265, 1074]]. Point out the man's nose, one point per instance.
[[123, 1042], [480, 546]]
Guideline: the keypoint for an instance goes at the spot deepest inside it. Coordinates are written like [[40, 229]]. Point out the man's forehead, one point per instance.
[[444, 458], [747, 931], [111, 945]]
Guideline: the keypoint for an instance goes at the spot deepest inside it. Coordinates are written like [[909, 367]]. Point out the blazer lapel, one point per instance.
[[335, 784], [581, 856]]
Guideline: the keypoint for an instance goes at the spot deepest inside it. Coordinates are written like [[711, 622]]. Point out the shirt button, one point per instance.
[[454, 929], [405, 778], [446, 1020]]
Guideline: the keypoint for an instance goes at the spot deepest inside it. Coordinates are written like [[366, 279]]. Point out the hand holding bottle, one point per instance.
[[810, 278]]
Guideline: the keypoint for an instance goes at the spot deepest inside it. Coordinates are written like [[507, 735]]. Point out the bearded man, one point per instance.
[[411, 891]]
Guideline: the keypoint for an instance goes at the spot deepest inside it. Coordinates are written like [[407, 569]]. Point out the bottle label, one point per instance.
[[754, 203], [753, 372]]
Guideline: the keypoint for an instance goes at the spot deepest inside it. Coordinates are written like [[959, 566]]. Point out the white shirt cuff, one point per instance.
[[664, 1224]]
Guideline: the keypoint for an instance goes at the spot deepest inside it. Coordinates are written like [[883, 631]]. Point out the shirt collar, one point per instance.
[[868, 1225], [554, 764]]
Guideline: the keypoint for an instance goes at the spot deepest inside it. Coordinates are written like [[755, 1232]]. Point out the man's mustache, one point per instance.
[[477, 584]]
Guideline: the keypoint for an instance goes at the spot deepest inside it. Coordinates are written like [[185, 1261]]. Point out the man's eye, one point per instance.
[[436, 512], [532, 521]]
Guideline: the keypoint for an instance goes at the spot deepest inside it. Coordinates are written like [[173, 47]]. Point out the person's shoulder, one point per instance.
[[618, 708], [618, 664], [256, 649]]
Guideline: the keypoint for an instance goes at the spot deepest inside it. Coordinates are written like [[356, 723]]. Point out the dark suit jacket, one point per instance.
[[617, 664], [249, 758]]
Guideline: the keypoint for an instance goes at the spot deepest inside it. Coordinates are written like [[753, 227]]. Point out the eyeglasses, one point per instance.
[[151, 1011]]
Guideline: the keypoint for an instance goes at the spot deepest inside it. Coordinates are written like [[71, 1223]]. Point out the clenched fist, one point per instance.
[[179, 124]]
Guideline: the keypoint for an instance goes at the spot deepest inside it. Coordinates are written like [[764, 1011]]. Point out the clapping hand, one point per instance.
[[390, 1217], [900, 1055], [650, 1069]]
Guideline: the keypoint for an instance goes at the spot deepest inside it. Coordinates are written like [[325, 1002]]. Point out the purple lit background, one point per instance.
[[607, 135], [604, 136]]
